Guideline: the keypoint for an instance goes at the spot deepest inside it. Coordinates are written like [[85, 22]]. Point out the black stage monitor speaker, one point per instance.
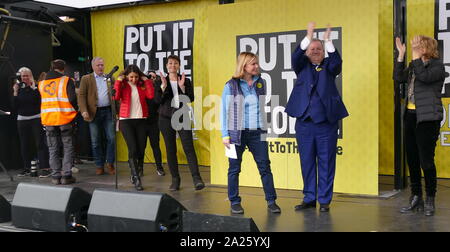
[[198, 222], [116, 211], [49, 208], [5, 210]]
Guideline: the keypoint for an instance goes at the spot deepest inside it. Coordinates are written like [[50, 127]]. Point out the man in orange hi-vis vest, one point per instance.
[[58, 111]]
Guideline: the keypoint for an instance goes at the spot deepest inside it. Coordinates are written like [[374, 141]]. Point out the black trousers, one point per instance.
[[187, 142], [420, 149], [133, 130], [152, 132], [32, 140]]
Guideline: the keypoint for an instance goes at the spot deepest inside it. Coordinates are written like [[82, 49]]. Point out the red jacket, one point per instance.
[[123, 94]]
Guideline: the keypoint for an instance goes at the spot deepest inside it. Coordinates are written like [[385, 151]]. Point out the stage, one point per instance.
[[347, 213]]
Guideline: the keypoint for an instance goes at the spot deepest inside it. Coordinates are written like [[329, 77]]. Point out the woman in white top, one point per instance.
[[132, 89], [175, 91]]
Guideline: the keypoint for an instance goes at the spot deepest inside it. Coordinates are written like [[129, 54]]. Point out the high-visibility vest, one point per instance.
[[56, 110]]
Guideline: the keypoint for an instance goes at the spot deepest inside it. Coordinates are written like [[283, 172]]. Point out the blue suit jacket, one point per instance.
[[326, 87]]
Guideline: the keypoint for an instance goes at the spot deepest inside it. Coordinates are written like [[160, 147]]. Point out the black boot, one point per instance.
[[175, 186], [135, 179], [140, 167], [429, 206], [198, 183], [160, 170], [415, 204]]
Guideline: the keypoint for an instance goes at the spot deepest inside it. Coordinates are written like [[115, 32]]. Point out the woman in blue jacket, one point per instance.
[[243, 124]]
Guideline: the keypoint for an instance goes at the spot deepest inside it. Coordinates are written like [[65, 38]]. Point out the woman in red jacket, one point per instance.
[[132, 89]]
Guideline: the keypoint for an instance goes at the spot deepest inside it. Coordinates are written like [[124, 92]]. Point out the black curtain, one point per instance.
[[26, 45]]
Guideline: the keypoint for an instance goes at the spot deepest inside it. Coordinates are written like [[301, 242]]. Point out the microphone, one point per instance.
[[109, 75]]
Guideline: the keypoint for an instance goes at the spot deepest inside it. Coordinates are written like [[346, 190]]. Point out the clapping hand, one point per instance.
[[327, 34], [181, 81], [416, 47], [163, 81], [16, 88], [401, 48], [310, 30]]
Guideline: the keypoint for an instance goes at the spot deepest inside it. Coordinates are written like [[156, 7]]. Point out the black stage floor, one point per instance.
[[350, 213]]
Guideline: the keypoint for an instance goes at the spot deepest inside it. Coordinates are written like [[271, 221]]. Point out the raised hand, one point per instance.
[[310, 30], [401, 48], [163, 81], [16, 89], [416, 47], [327, 34], [181, 81]]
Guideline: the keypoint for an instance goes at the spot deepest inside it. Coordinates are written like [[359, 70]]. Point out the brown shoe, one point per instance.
[[111, 169], [56, 181], [99, 171]]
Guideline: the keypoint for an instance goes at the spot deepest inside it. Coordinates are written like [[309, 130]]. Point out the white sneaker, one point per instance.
[[75, 169]]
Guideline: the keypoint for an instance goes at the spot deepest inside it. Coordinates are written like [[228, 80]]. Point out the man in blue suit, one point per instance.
[[317, 105]]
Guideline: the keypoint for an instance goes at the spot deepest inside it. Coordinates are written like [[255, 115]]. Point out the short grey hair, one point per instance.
[[318, 40], [95, 59]]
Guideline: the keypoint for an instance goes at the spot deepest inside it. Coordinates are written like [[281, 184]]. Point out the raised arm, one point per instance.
[[400, 71], [299, 58]]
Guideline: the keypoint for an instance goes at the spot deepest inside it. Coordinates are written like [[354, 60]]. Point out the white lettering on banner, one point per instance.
[[442, 34], [445, 135], [444, 14], [148, 45]]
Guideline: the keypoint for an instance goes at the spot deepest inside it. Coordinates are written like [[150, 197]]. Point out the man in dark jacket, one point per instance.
[[317, 105]]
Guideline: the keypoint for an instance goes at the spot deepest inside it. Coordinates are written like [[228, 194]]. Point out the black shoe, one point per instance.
[[68, 180], [77, 161], [324, 208], [137, 183], [45, 173], [198, 183], [24, 173], [305, 205], [429, 206], [175, 186], [160, 171], [237, 209], [274, 208], [415, 204]]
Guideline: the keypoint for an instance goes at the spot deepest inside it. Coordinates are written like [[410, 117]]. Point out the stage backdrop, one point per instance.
[[148, 34], [271, 28], [430, 18], [273, 32]]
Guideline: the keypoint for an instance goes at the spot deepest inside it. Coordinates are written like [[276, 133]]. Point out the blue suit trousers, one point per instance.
[[317, 148]]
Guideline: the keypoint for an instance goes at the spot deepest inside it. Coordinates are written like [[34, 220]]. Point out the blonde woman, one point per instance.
[[27, 103], [425, 76], [243, 125]]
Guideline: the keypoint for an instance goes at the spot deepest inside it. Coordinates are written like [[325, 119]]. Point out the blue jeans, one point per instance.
[[103, 121], [260, 152]]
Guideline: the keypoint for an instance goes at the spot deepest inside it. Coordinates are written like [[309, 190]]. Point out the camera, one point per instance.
[[151, 74]]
